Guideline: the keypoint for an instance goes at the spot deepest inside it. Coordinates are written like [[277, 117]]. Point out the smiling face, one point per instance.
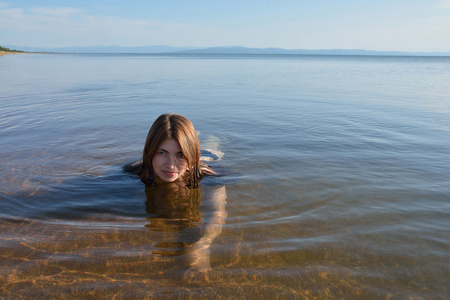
[[169, 162], [165, 128]]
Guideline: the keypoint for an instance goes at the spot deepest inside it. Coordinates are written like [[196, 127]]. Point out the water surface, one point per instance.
[[339, 184]]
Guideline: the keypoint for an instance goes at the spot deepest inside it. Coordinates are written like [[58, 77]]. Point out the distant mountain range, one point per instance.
[[220, 50], [243, 50]]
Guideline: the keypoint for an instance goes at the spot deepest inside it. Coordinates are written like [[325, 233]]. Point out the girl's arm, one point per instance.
[[215, 198]]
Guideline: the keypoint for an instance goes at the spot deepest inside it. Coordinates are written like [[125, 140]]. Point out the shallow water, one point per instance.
[[339, 184]]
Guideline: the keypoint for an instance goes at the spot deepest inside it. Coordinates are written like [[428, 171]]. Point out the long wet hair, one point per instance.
[[181, 129]]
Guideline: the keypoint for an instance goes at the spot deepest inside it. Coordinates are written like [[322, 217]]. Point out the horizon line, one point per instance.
[[235, 49]]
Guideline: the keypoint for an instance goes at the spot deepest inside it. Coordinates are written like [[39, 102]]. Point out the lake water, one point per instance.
[[338, 185]]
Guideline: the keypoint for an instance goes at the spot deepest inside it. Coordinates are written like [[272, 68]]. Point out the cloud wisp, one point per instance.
[[445, 4], [42, 25]]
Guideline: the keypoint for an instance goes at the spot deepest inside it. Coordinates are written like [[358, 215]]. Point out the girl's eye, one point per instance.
[[161, 152], [180, 155]]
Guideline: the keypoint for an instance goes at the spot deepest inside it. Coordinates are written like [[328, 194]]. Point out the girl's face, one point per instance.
[[169, 162]]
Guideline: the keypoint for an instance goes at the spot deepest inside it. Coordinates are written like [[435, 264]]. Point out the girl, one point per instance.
[[170, 163], [171, 153]]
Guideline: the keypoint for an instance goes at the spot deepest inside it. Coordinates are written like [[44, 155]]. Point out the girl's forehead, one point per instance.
[[171, 145]]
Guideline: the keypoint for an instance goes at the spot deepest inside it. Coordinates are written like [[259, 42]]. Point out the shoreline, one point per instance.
[[2, 53]]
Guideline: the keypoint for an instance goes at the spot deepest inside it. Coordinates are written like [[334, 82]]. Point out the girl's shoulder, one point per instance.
[[219, 173], [133, 167]]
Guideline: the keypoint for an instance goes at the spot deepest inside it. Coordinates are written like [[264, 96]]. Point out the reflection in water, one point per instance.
[[174, 207], [175, 211]]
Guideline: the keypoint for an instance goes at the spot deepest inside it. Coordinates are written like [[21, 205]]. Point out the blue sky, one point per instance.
[[398, 25]]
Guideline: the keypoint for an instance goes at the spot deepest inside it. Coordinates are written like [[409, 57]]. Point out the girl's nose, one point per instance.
[[171, 162]]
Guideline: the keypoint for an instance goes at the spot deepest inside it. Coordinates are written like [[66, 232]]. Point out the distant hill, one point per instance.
[[243, 50], [223, 50]]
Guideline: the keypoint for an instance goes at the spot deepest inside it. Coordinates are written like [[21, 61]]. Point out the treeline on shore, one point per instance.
[[3, 49]]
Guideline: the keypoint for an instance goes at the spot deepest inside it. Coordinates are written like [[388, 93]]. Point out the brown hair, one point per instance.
[[181, 129]]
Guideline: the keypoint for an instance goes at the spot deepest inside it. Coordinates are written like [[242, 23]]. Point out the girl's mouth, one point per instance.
[[170, 174]]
